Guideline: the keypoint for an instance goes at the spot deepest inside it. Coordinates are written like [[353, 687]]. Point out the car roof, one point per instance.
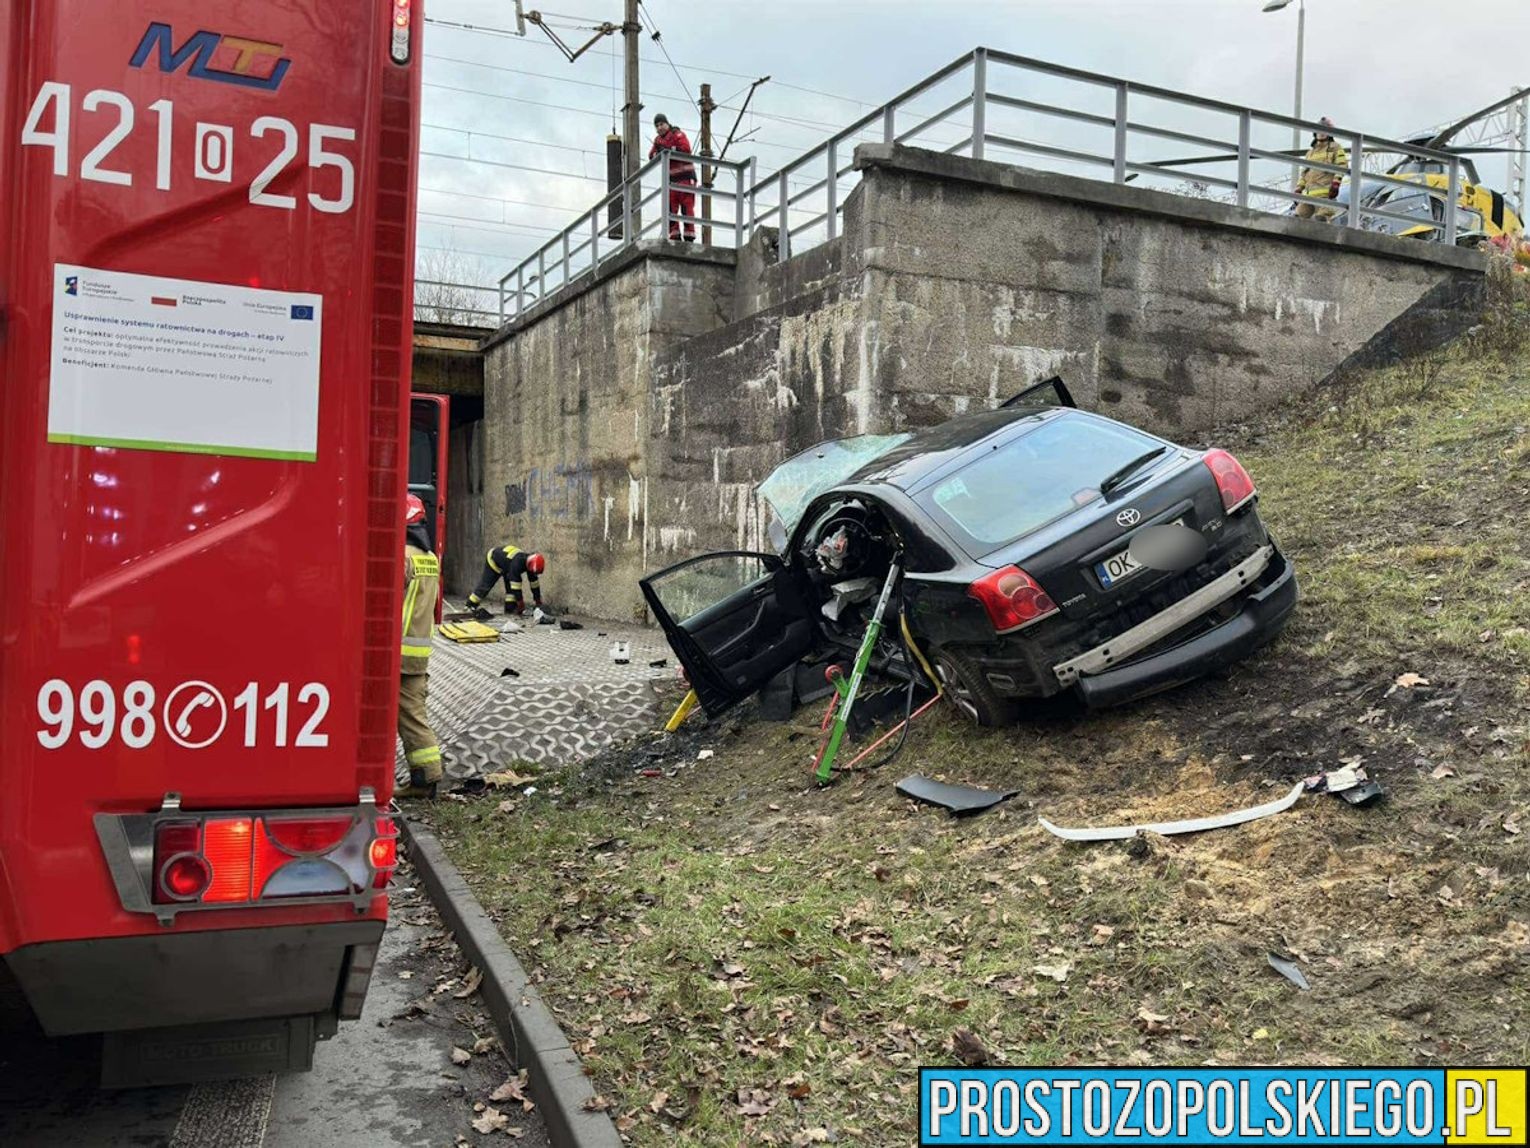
[[929, 450]]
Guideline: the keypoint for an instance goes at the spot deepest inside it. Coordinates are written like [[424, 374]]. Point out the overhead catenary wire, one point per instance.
[[708, 68], [658, 38], [515, 166], [514, 139], [527, 72], [498, 199]]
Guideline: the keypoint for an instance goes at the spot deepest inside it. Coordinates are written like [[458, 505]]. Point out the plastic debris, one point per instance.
[[1170, 828], [1286, 967], [961, 800]]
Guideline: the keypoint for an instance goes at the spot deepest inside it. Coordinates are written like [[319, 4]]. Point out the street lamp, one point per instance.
[[1301, 35]]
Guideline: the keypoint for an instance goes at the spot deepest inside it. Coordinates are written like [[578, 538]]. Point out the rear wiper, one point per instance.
[[1117, 477]]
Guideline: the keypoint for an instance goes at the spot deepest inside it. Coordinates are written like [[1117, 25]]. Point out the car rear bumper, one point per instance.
[[1264, 611], [113, 983]]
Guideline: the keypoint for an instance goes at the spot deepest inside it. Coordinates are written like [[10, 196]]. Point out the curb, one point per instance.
[[530, 1035]]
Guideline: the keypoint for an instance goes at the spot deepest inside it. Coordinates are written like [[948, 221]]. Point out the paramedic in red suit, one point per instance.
[[682, 176]]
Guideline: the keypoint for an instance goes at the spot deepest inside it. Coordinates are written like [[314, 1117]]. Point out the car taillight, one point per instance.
[[1233, 481], [1012, 598], [399, 48], [233, 860]]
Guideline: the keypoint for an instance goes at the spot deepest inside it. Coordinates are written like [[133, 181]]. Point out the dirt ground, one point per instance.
[[744, 958]]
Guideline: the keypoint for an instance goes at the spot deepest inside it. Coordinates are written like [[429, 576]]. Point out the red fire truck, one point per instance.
[[205, 315]]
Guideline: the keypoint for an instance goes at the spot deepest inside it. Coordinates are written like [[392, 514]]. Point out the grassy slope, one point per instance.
[[731, 928]]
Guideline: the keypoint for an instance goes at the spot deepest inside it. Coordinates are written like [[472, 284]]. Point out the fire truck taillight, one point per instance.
[[400, 31], [249, 859], [180, 873], [384, 852]]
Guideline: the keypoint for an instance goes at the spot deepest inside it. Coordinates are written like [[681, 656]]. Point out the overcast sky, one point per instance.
[[1388, 67]]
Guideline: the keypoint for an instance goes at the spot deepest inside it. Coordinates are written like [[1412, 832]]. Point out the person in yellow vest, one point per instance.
[[422, 580], [1316, 183], [512, 564]]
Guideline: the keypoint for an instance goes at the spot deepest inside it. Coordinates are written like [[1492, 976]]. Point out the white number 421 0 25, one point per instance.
[[48, 125]]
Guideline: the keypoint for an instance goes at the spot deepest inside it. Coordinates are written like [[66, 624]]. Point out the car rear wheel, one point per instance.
[[969, 691]]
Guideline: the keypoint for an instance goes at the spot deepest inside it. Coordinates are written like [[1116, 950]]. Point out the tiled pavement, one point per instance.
[[570, 701]]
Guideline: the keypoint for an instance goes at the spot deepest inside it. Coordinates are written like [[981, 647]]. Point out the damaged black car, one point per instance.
[[1032, 550]]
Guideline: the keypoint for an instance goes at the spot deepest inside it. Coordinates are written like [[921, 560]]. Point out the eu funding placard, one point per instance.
[[144, 362], [1235, 1106]]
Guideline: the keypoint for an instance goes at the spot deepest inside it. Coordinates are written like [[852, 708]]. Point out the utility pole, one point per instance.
[[630, 30], [1519, 178], [708, 172]]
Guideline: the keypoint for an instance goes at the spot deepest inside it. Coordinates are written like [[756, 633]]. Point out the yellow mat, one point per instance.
[[468, 632]]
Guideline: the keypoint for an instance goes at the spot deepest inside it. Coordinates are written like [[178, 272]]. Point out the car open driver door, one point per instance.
[[734, 619]]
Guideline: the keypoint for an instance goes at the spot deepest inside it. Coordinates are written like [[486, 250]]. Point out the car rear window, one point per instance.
[[1033, 479]]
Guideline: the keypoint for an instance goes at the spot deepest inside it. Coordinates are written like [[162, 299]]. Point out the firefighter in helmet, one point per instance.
[[1316, 183], [422, 580], [512, 564]]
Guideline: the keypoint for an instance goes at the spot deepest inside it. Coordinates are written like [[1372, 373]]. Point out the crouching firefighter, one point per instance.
[[422, 579], [512, 564]]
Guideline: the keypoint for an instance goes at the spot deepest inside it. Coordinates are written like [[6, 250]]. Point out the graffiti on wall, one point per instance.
[[560, 493]]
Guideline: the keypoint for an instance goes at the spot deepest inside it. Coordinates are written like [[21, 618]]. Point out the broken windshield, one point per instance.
[[803, 477]]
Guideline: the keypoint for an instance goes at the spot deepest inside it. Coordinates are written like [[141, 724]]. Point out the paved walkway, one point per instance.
[[569, 702]]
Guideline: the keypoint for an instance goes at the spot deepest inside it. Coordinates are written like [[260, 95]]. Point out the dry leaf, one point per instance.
[[799, 1090], [484, 1044], [1408, 680], [1153, 1023], [1058, 972], [506, 778], [512, 1089], [470, 984], [754, 1102], [492, 1120], [461, 1055], [660, 1099], [635, 1018], [597, 1103], [1440, 771], [968, 1048], [1102, 933]]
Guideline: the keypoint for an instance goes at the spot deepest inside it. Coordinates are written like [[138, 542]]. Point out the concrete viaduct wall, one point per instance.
[[628, 419]]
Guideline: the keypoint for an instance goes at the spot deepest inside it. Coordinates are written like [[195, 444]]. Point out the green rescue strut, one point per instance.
[[845, 691]]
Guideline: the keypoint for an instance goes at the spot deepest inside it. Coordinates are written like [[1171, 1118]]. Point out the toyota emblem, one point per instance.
[[1129, 517]]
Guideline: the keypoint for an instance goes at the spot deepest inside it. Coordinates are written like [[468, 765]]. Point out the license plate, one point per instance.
[[1119, 567]]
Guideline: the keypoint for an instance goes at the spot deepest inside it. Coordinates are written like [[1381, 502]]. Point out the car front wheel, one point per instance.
[[968, 690]]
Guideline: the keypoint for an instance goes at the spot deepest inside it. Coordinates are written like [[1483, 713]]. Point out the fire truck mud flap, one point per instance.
[[191, 978]]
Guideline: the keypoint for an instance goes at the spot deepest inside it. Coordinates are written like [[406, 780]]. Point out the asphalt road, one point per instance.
[[385, 1080]]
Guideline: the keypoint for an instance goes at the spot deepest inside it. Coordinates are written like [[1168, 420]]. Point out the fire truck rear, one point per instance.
[[205, 327]]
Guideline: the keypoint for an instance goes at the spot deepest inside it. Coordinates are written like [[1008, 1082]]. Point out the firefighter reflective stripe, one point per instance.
[[422, 584], [411, 596], [509, 552], [430, 755]]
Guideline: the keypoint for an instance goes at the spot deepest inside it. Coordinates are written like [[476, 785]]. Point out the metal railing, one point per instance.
[[464, 304], [617, 221], [995, 105]]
